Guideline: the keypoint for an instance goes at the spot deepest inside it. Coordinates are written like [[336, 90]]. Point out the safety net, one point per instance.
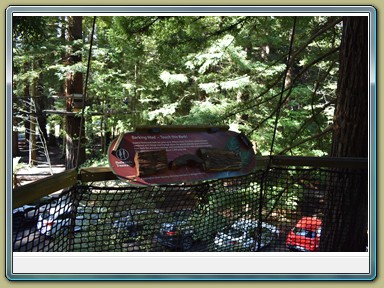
[[277, 210]]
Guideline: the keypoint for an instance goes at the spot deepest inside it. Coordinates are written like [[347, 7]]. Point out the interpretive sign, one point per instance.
[[165, 156]]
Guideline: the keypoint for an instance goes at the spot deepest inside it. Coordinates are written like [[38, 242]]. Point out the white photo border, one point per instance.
[[13, 258]]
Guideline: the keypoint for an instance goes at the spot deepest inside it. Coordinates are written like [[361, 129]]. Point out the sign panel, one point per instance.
[[146, 158]]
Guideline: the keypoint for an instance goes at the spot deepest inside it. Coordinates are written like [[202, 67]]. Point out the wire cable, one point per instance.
[[283, 87], [85, 92]]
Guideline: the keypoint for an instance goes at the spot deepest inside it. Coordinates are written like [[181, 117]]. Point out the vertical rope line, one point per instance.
[[265, 173], [85, 91], [282, 89]]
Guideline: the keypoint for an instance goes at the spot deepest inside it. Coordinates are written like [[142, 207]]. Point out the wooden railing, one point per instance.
[[33, 191]]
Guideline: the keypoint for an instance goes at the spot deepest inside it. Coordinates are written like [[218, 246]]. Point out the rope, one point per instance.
[[85, 92], [265, 173], [282, 89]]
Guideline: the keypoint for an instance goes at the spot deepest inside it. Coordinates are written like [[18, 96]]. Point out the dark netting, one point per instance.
[[35, 226], [274, 210]]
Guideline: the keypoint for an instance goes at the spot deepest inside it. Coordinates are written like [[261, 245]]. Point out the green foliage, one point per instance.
[[203, 112], [206, 225], [193, 70], [102, 161], [172, 78], [29, 30]]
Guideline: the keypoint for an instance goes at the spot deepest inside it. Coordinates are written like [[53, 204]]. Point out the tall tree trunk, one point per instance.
[[74, 85], [346, 219]]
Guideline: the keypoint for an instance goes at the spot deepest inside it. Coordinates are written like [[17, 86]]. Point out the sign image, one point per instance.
[[166, 156]]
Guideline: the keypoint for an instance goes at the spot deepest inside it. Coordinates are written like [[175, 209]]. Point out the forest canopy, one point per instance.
[[186, 70]]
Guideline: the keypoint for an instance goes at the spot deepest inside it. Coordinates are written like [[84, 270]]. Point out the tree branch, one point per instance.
[[319, 135], [324, 29], [315, 113], [289, 88], [209, 35], [312, 118]]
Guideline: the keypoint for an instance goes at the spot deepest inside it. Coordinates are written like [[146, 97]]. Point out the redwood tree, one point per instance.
[[346, 220], [73, 85]]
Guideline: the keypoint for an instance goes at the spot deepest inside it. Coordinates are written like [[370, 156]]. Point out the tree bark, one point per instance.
[[74, 85], [346, 219], [151, 162], [351, 115]]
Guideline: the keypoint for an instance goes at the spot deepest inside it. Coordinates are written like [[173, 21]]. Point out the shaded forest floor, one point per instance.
[[46, 166]]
